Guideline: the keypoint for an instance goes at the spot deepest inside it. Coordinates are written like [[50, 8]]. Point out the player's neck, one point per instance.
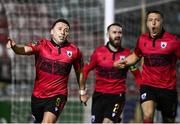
[[112, 48], [58, 43]]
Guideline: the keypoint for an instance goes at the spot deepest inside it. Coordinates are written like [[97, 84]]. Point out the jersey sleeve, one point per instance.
[[35, 45], [78, 63], [91, 65], [137, 49], [137, 74], [177, 48]]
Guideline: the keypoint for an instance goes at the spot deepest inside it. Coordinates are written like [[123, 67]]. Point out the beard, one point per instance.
[[116, 42]]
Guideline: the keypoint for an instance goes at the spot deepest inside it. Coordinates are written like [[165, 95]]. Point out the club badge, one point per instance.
[[122, 58], [69, 53], [163, 44]]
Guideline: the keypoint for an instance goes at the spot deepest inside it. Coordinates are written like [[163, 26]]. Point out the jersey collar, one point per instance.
[[107, 46], [65, 43]]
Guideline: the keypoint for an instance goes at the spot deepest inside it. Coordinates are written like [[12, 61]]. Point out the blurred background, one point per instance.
[[28, 20]]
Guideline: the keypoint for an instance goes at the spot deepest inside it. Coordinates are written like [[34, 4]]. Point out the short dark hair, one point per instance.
[[114, 24], [60, 20], [155, 11]]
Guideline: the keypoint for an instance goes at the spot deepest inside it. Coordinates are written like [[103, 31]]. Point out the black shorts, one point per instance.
[[107, 106], [40, 105], [166, 100]]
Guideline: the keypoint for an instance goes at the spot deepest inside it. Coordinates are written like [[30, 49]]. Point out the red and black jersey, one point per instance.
[[108, 78], [53, 65], [160, 56]]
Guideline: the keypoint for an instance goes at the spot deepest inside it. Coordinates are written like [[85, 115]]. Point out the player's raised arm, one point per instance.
[[19, 49]]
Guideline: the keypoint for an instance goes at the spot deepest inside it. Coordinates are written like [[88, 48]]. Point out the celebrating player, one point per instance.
[[109, 95], [160, 51], [53, 60]]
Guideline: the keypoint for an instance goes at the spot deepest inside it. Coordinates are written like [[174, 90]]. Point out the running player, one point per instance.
[[160, 50], [53, 60], [109, 95]]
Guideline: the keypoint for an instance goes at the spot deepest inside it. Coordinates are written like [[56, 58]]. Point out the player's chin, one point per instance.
[[153, 34], [117, 45], [61, 40]]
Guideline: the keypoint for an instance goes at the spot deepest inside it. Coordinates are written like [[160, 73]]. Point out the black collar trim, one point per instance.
[[65, 43], [119, 50]]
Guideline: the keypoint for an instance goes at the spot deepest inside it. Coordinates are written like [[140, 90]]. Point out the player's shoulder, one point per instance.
[[38, 42], [170, 36], [43, 41], [145, 35], [126, 49], [100, 48], [72, 45]]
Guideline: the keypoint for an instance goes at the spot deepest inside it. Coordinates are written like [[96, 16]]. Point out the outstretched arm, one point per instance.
[[131, 59], [19, 49]]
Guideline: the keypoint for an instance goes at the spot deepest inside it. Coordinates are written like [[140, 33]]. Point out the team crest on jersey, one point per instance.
[[163, 44], [122, 58], [69, 53], [143, 96]]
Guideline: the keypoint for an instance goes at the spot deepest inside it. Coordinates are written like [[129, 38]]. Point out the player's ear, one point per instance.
[[51, 32], [107, 34]]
